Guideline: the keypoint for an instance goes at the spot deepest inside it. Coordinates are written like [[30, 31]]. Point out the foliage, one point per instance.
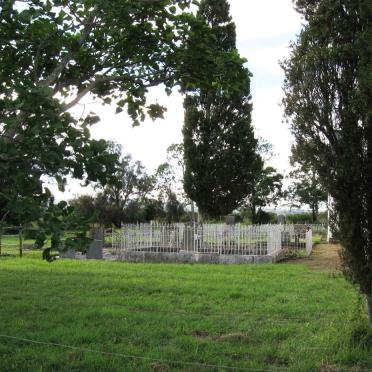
[[129, 195], [306, 189], [266, 190], [129, 181], [328, 101], [170, 179], [96, 209], [166, 181], [153, 210], [175, 159], [54, 53], [55, 222], [99, 209], [299, 218], [174, 209], [219, 144], [209, 314]]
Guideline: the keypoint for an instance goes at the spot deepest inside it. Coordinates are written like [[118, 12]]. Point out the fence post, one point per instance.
[[309, 241], [150, 236], [113, 245], [194, 236], [121, 236], [238, 252]]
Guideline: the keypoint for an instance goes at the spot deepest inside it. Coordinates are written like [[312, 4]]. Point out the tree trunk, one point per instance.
[[253, 212], [314, 213], [369, 308], [192, 211]]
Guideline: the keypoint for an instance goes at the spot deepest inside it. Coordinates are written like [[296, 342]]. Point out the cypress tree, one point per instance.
[[328, 100], [219, 143]]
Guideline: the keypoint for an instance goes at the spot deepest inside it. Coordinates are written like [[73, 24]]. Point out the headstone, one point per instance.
[[230, 220], [281, 219], [300, 229], [65, 253], [69, 253], [95, 250], [188, 238], [286, 238]]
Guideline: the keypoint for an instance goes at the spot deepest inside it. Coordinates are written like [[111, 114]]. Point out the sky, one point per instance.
[[264, 30]]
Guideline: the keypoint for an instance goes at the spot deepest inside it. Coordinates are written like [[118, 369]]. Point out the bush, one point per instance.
[[299, 218]]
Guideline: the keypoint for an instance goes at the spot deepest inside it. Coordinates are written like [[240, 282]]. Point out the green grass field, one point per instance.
[[159, 317]]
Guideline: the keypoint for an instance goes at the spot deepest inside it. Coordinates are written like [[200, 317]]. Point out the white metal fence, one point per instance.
[[221, 239]]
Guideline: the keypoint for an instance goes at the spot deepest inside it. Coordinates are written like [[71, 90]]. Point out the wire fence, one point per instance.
[[12, 240], [175, 362], [189, 364]]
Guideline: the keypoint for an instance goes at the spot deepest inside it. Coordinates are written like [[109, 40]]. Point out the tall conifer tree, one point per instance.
[[328, 100], [219, 143]]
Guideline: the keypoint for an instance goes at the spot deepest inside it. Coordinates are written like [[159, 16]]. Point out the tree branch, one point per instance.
[[88, 26], [108, 79]]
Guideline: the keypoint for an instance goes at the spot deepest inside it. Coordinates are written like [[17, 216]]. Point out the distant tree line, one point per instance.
[[133, 196]]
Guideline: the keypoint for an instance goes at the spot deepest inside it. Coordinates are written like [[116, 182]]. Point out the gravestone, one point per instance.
[[300, 233], [95, 250], [188, 237], [230, 220], [65, 253], [69, 253], [286, 238], [281, 219]]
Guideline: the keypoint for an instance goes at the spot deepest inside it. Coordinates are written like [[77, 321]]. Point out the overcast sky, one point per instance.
[[264, 31]]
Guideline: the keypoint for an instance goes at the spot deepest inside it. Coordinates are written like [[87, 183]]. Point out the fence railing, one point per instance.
[[218, 239], [221, 239], [12, 240]]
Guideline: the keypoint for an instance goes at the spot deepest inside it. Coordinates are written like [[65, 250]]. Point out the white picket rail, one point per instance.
[[221, 239]]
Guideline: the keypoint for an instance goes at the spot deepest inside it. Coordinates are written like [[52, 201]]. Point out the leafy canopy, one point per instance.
[[54, 53], [306, 189], [266, 190]]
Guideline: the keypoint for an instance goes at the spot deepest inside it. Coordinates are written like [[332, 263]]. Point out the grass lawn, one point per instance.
[[178, 317]]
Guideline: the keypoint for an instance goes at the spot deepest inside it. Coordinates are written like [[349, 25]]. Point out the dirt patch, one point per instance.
[[159, 367], [200, 334], [327, 368], [324, 257], [234, 337], [275, 360]]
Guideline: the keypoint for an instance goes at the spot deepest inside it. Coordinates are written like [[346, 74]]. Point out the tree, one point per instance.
[[165, 181], [306, 189], [176, 159], [130, 180], [174, 209], [97, 209], [219, 144], [328, 89], [266, 189], [153, 209], [54, 53], [127, 183]]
